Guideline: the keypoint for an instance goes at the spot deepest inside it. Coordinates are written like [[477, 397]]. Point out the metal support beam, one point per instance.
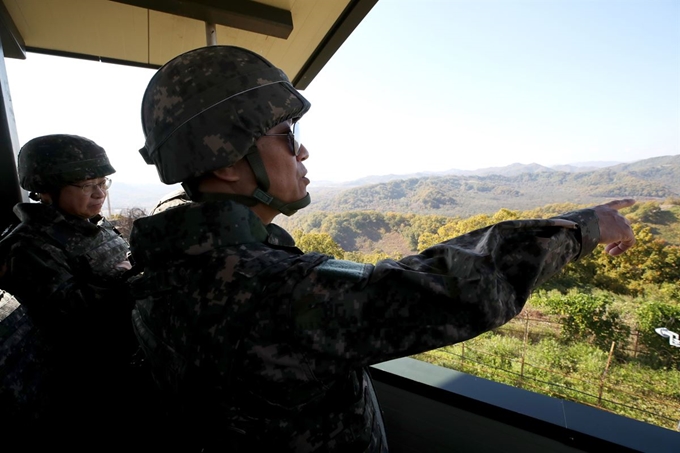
[[210, 34], [10, 192], [12, 41], [353, 14], [241, 14]]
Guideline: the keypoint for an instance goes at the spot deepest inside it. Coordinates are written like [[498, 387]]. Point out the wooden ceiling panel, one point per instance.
[[170, 36], [97, 28], [314, 19], [248, 15], [116, 31]]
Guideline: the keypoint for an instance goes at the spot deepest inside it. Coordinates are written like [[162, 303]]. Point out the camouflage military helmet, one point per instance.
[[52, 161], [204, 110]]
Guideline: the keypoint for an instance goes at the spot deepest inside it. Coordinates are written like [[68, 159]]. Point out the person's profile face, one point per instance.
[[286, 172], [83, 198]]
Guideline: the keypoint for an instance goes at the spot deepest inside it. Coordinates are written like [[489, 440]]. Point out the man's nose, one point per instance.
[[303, 154], [99, 192]]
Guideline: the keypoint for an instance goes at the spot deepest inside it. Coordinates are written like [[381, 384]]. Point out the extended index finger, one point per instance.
[[620, 204]]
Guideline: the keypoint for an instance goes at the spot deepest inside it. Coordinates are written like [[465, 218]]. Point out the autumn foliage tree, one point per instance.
[[318, 242], [123, 221]]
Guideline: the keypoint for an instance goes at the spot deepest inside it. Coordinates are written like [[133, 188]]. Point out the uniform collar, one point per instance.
[[49, 215], [195, 228]]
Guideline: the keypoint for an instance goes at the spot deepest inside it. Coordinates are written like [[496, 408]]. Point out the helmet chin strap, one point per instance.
[[261, 194]]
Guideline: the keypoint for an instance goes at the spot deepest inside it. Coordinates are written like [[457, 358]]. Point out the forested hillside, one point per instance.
[[652, 179], [398, 234], [464, 193]]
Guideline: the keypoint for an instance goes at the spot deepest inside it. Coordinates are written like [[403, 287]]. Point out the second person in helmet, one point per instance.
[[259, 346], [65, 264]]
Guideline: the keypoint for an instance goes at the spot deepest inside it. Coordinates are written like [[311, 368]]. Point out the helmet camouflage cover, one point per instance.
[[204, 110], [53, 161]]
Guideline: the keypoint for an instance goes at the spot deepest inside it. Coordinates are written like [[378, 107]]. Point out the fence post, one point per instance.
[[604, 373], [635, 346], [462, 356], [524, 345]]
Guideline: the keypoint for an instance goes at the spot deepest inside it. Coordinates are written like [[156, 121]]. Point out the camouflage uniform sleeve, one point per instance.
[[348, 314]]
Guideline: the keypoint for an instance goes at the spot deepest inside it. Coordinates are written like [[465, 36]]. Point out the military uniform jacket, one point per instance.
[[56, 263], [273, 343], [62, 270]]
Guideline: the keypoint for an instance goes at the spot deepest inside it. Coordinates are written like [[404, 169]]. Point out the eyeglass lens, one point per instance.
[[296, 138], [104, 185]]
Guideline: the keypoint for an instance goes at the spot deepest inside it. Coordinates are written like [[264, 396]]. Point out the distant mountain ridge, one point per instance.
[[508, 170], [517, 187], [463, 192]]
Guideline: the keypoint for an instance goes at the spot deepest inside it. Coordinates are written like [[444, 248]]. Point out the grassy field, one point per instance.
[[529, 353]]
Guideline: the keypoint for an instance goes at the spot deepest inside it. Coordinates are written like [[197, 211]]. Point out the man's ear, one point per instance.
[[229, 174]]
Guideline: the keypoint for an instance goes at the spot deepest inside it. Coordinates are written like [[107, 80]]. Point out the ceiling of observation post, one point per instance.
[[298, 36]]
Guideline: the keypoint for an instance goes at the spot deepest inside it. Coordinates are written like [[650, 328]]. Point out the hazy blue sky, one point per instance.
[[428, 86]]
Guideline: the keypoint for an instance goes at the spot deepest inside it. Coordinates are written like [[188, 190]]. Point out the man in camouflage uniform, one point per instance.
[[258, 346], [65, 264]]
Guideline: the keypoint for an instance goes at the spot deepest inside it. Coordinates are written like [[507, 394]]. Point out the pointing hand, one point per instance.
[[615, 230]]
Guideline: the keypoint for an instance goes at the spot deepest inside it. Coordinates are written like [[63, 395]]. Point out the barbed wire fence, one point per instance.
[[601, 391]]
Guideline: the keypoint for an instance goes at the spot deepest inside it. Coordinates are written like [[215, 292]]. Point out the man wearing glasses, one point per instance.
[[257, 346], [65, 264]]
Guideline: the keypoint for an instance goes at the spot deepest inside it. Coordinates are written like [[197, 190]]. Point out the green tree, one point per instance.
[[505, 214], [650, 261], [458, 227], [586, 317], [318, 242], [655, 315], [427, 240], [368, 258]]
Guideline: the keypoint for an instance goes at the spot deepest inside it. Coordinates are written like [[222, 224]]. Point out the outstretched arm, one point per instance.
[[450, 292]]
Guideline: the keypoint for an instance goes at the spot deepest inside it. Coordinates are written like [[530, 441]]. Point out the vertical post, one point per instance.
[[635, 346], [210, 34], [604, 373], [462, 356], [526, 340], [10, 192]]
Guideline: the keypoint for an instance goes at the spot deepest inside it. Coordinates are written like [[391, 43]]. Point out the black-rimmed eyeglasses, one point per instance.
[[293, 138], [88, 189]]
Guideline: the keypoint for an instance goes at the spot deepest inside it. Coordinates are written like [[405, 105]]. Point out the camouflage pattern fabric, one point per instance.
[[60, 247], [258, 345], [61, 269], [24, 364], [228, 97], [52, 161], [171, 200]]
